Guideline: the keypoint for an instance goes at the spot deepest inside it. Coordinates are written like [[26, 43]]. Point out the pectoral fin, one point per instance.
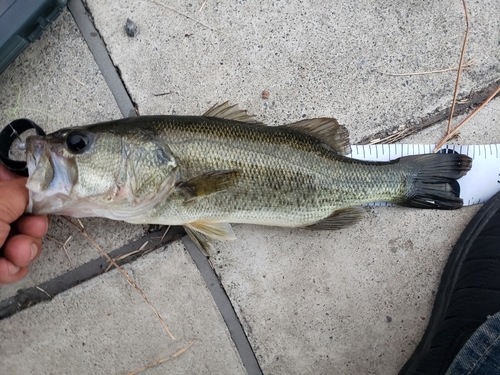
[[203, 232], [208, 183], [327, 130], [339, 219]]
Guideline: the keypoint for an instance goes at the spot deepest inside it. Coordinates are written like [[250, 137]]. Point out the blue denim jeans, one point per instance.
[[481, 353]]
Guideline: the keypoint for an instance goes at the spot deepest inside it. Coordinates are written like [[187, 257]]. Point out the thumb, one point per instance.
[[13, 199], [6, 175]]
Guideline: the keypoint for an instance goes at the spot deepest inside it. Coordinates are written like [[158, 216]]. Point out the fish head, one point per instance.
[[88, 171]]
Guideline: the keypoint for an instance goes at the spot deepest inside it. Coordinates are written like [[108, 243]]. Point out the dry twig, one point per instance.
[[449, 132], [63, 246], [459, 126], [74, 78], [160, 361], [182, 14], [467, 65], [83, 231], [164, 234], [41, 290], [121, 257], [202, 5], [459, 73]]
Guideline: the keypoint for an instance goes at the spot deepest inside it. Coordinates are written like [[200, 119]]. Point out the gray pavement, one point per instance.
[[278, 301]]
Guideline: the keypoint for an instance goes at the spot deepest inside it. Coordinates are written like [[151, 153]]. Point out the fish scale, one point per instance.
[[206, 171], [288, 179]]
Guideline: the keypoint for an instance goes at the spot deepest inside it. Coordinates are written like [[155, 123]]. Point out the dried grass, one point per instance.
[[63, 246], [466, 66], [163, 360], [183, 14], [83, 231], [450, 133]]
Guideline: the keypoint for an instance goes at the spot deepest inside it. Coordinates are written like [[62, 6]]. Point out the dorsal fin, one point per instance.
[[230, 112], [327, 130]]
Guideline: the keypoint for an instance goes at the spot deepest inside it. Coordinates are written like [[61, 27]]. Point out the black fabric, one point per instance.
[[469, 291]]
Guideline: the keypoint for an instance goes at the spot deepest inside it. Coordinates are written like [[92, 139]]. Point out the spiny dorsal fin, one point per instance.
[[208, 183], [203, 232], [342, 218], [230, 112], [327, 130]]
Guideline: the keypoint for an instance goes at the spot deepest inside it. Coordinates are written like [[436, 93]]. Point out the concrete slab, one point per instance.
[[314, 59], [481, 129], [353, 301], [56, 83], [105, 327], [356, 300]]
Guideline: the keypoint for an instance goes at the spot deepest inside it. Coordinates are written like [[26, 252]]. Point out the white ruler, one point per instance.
[[477, 186]]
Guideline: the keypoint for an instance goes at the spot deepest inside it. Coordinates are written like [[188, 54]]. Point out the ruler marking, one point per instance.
[[477, 186]]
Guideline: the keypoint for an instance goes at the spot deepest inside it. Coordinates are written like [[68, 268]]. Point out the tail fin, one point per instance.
[[432, 180]]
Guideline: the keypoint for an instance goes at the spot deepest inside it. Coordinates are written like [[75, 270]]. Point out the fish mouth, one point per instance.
[[51, 175]]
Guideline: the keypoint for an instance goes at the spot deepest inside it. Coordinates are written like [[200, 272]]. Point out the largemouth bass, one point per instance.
[[204, 172]]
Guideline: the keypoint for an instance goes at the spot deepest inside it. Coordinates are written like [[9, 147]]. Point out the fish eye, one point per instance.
[[77, 141]]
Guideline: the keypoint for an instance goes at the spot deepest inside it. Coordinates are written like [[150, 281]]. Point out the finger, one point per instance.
[[21, 250], [13, 200], [34, 226], [4, 232], [9, 273], [6, 175]]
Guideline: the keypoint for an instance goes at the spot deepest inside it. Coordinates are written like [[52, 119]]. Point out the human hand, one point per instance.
[[20, 235]]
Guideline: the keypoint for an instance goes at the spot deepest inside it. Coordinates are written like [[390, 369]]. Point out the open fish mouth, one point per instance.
[[51, 175]]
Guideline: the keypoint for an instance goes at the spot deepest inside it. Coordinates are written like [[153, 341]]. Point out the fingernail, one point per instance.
[[34, 251], [13, 269], [46, 224]]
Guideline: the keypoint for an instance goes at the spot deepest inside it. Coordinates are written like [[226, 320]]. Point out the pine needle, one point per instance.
[[164, 234], [163, 360], [124, 256], [182, 14], [83, 231], [467, 65], [202, 5], [451, 133], [459, 126], [459, 73], [63, 246], [74, 78], [42, 290]]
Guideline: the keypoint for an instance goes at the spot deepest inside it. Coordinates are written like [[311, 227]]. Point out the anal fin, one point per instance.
[[342, 218]]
